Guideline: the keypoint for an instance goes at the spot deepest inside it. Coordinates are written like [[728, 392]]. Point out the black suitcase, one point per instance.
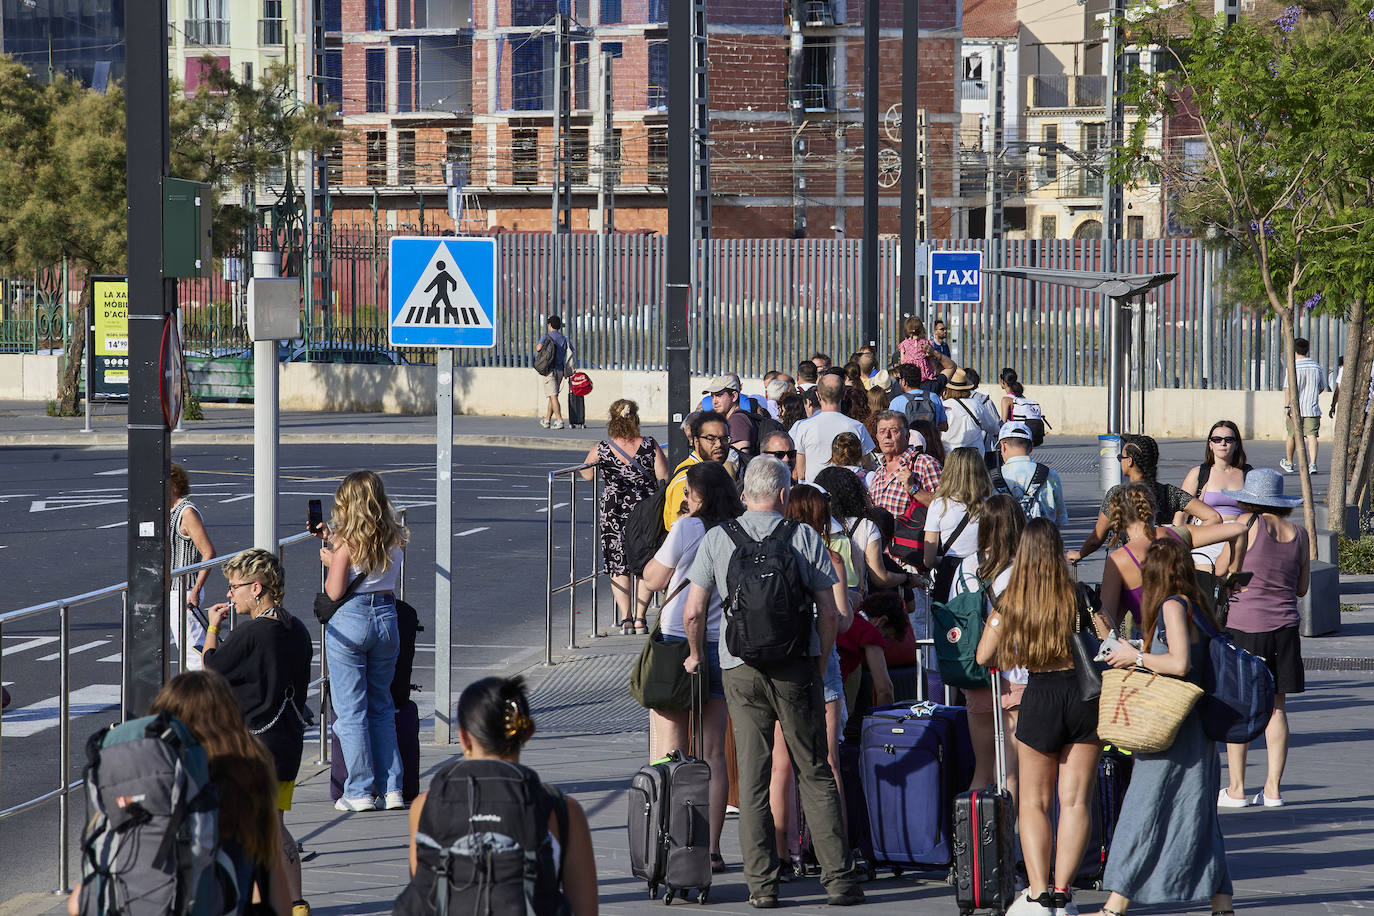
[[577, 411], [985, 838], [669, 831], [1113, 776], [407, 739]]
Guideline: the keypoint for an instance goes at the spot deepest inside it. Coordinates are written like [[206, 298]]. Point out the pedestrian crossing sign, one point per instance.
[[443, 292]]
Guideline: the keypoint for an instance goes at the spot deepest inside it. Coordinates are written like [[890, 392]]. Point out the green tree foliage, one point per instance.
[[1285, 109]]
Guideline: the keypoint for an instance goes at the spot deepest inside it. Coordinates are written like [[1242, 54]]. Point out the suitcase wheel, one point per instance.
[[701, 897], [668, 897]]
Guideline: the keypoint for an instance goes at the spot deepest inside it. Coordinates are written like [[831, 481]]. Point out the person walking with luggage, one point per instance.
[[363, 549], [1168, 846], [711, 499], [553, 379], [952, 519], [191, 544], [1035, 486], [267, 665], [1223, 468], [1057, 729], [631, 464], [544, 863], [1263, 619], [773, 659]]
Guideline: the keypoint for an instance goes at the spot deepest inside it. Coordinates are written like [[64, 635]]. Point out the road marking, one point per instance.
[[117, 657], [17, 495], [535, 498], [235, 499], [115, 473], [98, 490], [28, 720], [31, 644], [90, 645], [546, 508], [463, 534], [304, 467], [73, 502], [114, 524]]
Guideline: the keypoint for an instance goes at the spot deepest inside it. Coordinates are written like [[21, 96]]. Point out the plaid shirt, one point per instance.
[[887, 489]]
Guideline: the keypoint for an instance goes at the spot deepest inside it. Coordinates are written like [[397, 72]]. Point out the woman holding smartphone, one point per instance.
[[363, 553]]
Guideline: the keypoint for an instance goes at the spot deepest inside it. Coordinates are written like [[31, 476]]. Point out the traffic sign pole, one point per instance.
[[266, 418], [443, 548]]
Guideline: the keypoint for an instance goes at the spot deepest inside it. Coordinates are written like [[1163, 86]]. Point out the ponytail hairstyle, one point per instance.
[[913, 327], [1131, 503], [624, 419], [1168, 572], [1009, 378], [495, 712], [1143, 452]]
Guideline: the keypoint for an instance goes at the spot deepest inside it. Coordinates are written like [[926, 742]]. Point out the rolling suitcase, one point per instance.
[[667, 819], [407, 740], [577, 411], [1113, 776], [985, 839]]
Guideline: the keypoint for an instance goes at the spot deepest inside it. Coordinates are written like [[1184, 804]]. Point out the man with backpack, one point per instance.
[[1033, 485], [551, 361], [915, 402], [770, 572]]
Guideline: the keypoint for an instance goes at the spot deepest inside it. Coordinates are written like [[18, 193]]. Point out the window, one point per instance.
[[405, 78], [1163, 61], [658, 75], [1135, 227], [376, 79], [1050, 152], [207, 22], [333, 15], [458, 149], [248, 73], [376, 157], [973, 67], [610, 12], [612, 159], [527, 77], [334, 156], [581, 73], [374, 14], [1094, 138], [410, 14], [333, 76], [1130, 61], [616, 48], [578, 151], [658, 156], [818, 79], [405, 157], [1049, 227], [524, 157], [532, 12], [270, 28]]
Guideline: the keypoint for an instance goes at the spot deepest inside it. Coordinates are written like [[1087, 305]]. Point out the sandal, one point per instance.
[[641, 626], [627, 626]]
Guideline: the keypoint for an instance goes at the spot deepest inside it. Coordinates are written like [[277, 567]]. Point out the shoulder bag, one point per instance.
[[1238, 689], [326, 607], [658, 680], [1141, 710], [1084, 644]]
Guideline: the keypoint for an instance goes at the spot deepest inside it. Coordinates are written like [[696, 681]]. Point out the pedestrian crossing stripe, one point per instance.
[[443, 292]]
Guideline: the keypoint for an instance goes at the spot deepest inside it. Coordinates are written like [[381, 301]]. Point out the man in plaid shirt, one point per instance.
[[906, 471]]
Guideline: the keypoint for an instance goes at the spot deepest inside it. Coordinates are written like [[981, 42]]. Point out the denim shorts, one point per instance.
[[716, 686], [834, 683]]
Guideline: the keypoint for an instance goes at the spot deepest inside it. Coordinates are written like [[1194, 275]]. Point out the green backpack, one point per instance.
[[958, 628]]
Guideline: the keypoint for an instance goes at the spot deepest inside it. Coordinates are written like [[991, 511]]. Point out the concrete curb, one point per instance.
[[119, 440], [33, 904]]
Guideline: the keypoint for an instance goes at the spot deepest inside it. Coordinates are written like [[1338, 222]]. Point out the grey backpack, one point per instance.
[[152, 846], [918, 406]]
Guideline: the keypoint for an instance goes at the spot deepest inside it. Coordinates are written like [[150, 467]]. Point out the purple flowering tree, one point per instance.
[[1284, 108]]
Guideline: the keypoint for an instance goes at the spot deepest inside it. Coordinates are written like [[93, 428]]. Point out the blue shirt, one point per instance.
[[899, 404], [556, 340], [1049, 503]]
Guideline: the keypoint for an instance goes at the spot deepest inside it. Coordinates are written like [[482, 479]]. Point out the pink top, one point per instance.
[[1270, 601]]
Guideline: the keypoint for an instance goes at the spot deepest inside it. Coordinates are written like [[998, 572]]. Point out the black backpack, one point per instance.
[[407, 626], [644, 532], [1029, 495], [768, 610], [483, 846]]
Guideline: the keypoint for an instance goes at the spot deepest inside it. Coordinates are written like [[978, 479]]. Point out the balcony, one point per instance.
[[974, 90], [271, 32], [207, 32], [1060, 91]]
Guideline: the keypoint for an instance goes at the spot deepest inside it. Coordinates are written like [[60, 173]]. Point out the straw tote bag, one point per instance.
[[1141, 710]]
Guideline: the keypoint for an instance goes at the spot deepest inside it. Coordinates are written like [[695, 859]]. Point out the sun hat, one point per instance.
[[1264, 487], [1015, 429], [721, 383], [959, 381]]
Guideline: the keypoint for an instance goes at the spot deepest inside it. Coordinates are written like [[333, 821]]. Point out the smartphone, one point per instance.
[[315, 521], [1109, 644]]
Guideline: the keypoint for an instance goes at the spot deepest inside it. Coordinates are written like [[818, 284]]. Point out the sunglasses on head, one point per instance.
[[1221, 440]]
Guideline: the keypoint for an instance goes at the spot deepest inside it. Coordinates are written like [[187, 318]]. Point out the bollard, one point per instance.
[[1109, 468], [64, 748]]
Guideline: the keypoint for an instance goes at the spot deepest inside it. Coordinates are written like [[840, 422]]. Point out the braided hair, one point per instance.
[[1144, 452], [1132, 502]]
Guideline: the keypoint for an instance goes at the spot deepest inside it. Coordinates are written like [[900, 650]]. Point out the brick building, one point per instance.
[[423, 82]]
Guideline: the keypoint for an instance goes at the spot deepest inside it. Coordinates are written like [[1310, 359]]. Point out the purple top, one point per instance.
[[1130, 597], [1224, 504], [1270, 602]]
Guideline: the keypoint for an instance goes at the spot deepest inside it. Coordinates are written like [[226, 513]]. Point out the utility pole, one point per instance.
[[681, 237], [701, 175], [870, 249], [323, 246], [562, 192], [911, 156], [605, 194], [796, 108], [1111, 213], [992, 221], [152, 305]]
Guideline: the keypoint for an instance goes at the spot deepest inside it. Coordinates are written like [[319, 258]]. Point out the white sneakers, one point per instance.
[[1026, 906], [1227, 800], [544, 422], [556, 424], [1262, 799], [1258, 800], [393, 801]]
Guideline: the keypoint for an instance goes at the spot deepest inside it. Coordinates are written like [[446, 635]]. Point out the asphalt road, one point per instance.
[[63, 531]]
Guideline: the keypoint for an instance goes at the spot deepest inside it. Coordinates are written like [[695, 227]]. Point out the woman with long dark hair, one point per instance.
[[1168, 846], [850, 507], [1223, 468]]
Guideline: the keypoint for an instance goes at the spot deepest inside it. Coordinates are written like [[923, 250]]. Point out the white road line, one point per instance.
[[463, 534], [236, 499], [302, 467], [28, 720], [90, 645], [31, 644], [97, 490], [115, 473], [546, 508], [17, 495], [117, 657], [535, 498], [114, 524]]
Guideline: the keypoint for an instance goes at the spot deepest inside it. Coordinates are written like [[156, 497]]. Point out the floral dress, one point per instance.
[[623, 487]]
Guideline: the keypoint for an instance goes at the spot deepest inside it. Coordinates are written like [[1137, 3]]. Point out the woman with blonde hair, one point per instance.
[[363, 549], [952, 519], [847, 452], [1057, 730], [631, 466]]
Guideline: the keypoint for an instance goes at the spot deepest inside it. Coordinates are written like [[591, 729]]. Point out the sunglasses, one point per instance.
[[784, 455], [1221, 440]]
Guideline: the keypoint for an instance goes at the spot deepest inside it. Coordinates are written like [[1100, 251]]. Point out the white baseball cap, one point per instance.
[[1015, 429]]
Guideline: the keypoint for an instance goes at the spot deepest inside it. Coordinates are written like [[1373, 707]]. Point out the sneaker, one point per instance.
[[763, 901], [731, 809], [786, 872], [1027, 906], [1062, 903], [1311, 469], [717, 863], [556, 424], [1227, 800], [544, 422], [354, 805], [394, 801], [1286, 466], [1262, 799], [300, 908], [852, 897]]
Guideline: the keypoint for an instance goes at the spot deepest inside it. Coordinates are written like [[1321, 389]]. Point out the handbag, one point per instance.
[[1141, 710], [1084, 646], [326, 607], [1238, 689], [658, 680]]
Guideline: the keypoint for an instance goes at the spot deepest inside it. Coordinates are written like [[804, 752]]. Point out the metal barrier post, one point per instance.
[[572, 561], [64, 749], [183, 626], [548, 577], [324, 689], [596, 549], [124, 658]]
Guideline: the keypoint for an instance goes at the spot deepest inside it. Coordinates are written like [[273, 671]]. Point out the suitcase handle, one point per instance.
[[697, 737], [998, 738]]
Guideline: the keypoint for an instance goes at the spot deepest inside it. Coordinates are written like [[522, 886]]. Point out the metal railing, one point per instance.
[[574, 475], [63, 606]]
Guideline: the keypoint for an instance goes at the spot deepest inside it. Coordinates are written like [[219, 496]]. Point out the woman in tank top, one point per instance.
[[1223, 468]]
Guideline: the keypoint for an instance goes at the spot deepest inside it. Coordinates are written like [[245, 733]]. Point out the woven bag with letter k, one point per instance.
[[1141, 710]]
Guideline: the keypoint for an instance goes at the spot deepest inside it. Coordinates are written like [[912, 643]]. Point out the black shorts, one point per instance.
[[1053, 714], [1281, 650]]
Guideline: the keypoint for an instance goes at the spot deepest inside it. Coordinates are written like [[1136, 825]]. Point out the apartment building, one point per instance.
[[243, 37], [82, 41], [423, 83]]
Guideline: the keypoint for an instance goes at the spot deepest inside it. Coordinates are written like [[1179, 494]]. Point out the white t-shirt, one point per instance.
[[381, 580], [968, 574], [677, 553], [944, 516], [816, 436], [964, 429]]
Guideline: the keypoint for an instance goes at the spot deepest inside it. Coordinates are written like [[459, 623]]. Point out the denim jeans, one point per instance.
[[361, 642]]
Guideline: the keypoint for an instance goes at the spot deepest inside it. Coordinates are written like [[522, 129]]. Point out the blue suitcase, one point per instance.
[[913, 760]]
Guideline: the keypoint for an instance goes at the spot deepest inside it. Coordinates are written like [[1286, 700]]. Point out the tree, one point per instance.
[[62, 168], [1285, 108]]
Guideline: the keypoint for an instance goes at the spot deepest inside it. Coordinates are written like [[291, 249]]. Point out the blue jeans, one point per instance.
[[361, 641]]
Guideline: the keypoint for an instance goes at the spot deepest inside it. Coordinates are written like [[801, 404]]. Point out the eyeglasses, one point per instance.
[[714, 440], [1120, 457], [1221, 440], [784, 454], [234, 585]]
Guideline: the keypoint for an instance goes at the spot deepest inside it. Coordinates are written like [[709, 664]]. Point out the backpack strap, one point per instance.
[[999, 483], [1204, 472], [854, 527], [737, 533], [1037, 483], [784, 529], [954, 535]]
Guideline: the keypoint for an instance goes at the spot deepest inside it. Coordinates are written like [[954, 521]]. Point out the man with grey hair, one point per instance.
[[787, 692]]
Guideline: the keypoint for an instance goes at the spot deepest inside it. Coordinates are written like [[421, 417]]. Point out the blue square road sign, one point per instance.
[[443, 292]]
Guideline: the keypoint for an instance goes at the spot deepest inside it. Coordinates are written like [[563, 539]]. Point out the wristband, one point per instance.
[[1140, 660], [213, 631]]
